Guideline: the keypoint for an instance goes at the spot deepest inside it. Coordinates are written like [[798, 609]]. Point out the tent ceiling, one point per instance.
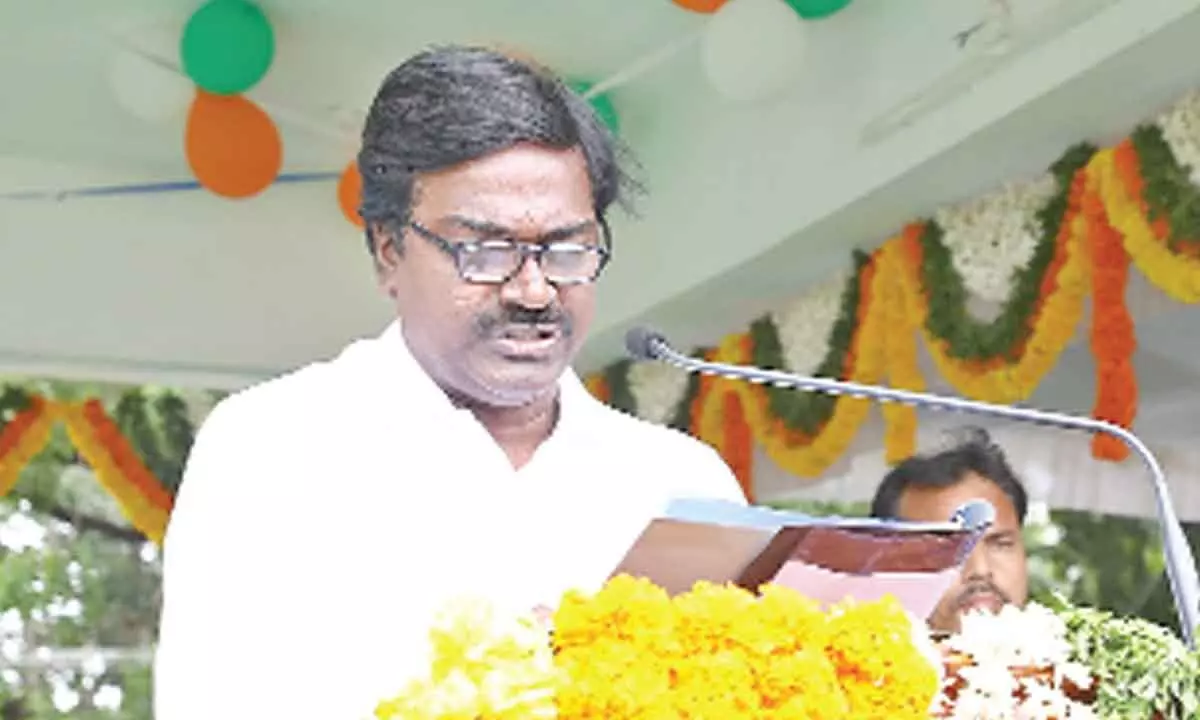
[[57, 56]]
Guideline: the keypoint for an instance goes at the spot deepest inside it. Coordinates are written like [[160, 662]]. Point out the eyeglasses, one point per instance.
[[496, 261]]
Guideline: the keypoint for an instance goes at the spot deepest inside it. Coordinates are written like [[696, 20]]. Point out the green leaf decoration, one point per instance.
[[948, 319], [682, 421], [132, 415], [798, 410], [1141, 668], [1168, 189], [620, 395], [13, 400], [177, 432]]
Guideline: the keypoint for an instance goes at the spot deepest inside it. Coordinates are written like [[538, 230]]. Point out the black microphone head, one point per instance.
[[644, 344]]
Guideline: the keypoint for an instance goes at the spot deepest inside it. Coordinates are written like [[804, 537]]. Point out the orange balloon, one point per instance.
[[700, 6], [233, 147], [349, 193]]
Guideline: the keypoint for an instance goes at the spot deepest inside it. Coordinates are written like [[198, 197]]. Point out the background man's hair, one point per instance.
[[449, 105], [967, 450]]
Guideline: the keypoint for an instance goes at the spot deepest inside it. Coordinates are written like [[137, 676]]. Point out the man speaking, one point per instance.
[[325, 515]]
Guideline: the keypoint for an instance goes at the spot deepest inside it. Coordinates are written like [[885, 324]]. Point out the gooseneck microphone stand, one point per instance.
[[644, 344]]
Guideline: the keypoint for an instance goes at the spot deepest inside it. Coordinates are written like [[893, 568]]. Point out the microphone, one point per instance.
[[646, 344]]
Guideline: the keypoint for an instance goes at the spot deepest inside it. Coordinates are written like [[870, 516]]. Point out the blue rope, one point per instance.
[[153, 188]]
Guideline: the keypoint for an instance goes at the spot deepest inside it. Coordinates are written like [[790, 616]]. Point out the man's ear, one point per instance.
[[385, 247]]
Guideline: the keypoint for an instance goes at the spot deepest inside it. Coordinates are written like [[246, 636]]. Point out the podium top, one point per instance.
[[974, 517], [825, 557]]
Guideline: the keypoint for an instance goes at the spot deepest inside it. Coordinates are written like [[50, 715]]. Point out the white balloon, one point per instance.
[[753, 48], [149, 91]]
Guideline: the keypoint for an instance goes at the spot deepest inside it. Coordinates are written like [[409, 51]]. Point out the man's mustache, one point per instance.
[[981, 588], [552, 317]]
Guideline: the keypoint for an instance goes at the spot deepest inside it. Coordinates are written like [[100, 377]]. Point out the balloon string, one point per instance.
[[64, 194], [291, 116], [644, 65], [628, 74]]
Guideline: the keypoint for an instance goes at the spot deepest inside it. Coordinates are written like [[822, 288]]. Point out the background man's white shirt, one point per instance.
[[326, 515]]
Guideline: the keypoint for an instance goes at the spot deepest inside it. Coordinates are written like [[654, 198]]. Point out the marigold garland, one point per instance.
[[1119, 181], [864, 361], [597, 385], [632, 651], [719, 423], [808, 412], [1013, 375], [1112, 336], [1168, 193], [1001, 340], [900, 349], [737, 446], [22, 439], [141, 498], [1143, 209]]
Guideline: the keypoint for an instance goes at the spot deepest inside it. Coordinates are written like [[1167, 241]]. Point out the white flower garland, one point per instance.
[[658, 389], [993, 236], [804, 325], [1033, 639], [1180, 127]]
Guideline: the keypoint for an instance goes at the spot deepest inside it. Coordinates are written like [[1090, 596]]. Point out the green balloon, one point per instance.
[[602, 104], [817, 9], [227, 46]]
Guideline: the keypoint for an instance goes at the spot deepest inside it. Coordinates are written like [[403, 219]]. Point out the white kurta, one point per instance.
[[325, 515]]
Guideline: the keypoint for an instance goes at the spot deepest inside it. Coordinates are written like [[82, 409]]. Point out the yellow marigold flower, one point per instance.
[[795, 621], [718, 651], [883, 673], [626, 608], [802, 686], [484, 665], [612, 678]]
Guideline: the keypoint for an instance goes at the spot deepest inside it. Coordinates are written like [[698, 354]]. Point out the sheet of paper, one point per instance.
[[827, 558]]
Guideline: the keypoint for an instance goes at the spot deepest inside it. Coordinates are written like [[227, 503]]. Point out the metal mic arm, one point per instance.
[[1181, 564]]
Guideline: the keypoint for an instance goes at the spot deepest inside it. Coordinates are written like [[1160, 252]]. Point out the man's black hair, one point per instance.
[[449, 105], [973, 452]]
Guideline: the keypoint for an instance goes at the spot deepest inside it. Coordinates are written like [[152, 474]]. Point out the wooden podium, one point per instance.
[[828, 559]]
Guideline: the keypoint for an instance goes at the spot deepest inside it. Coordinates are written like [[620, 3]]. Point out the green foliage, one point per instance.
[[73, 574], [1143, 670], [61, 590], [1107, 562]]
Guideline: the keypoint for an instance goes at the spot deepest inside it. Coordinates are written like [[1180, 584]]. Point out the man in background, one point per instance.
[[929, 488]]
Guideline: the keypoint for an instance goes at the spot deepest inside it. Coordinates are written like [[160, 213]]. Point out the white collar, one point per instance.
[[404, 374]]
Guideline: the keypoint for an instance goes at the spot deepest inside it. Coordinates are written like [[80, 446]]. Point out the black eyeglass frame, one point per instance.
[[457, 251]]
